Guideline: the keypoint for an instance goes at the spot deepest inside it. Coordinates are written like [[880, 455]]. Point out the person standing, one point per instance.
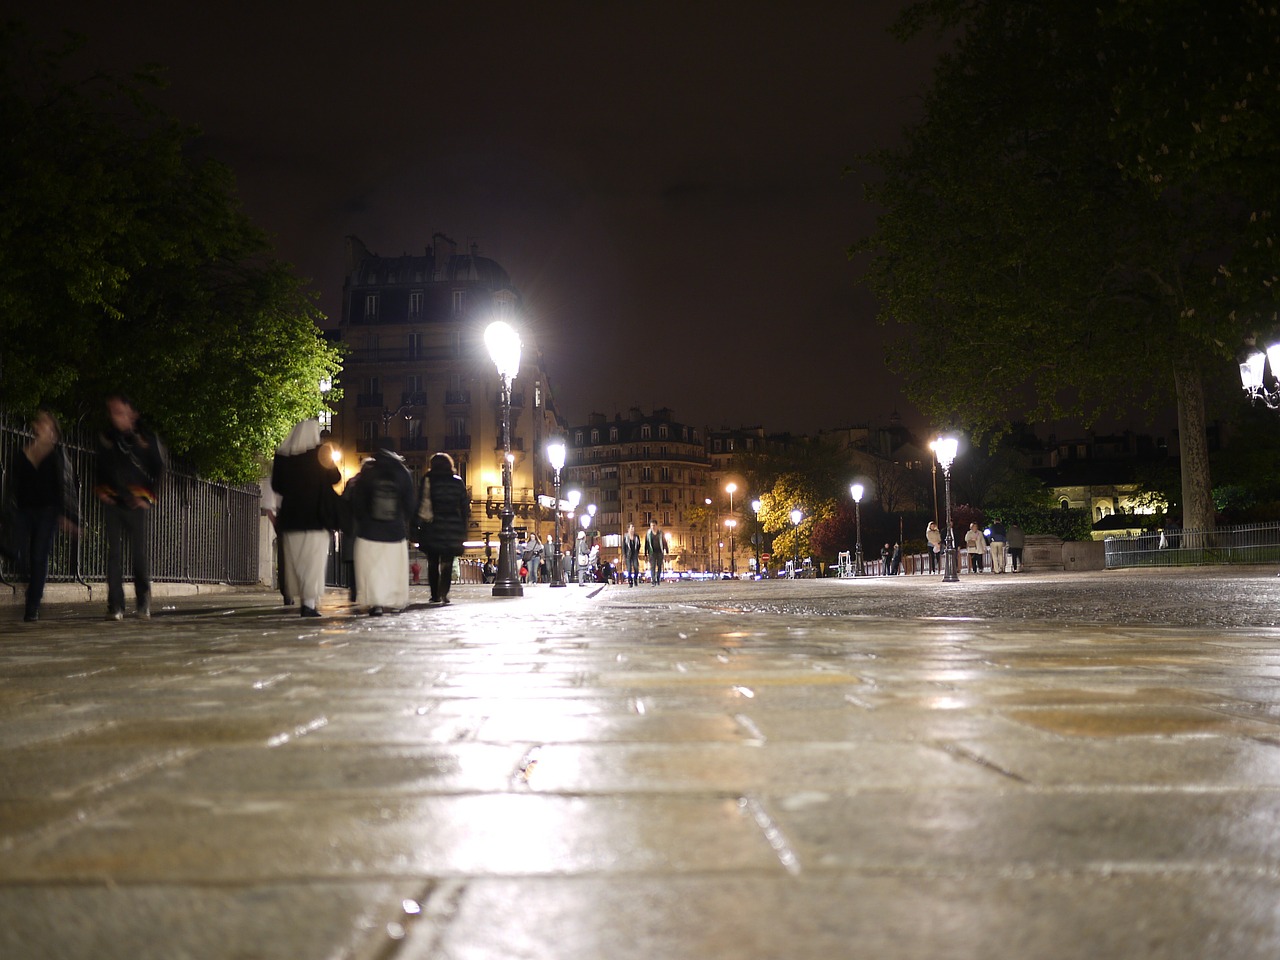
[[1016, 540], [655, 549], [383, 506], [131, 466], [303, 474], [934, 538], [977, 545], [581, 553], [895, 560], [998, 538], [443, 511], [47, 498], [535, 559], [631, 555]]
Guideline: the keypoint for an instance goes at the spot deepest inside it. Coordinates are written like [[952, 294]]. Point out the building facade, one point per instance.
[[639, 468], [417, 378]]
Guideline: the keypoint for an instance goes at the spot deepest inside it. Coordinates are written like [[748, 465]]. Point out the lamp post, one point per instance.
[[503, 344], [707, 501], [555, 454], [731, 488], [944, 448], [574, 497], [796, 517], [755, 536], [856, 491], [1254, 377], [732, 524]]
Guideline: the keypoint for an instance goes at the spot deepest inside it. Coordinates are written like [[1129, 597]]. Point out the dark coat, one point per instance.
[[451, 508], [384, 502], [303, 483], [131, 466], [52, 484]]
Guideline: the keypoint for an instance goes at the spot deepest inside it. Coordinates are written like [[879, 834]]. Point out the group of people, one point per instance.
[[582, 560], [1004, 545], [379, 508], [131, 464]]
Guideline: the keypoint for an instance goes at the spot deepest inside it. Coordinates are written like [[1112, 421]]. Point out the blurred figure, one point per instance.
[[582, 553], [382, 509], [131, 466], [934, 537], [631, 555], [47, 497], [443, 511], [1016, 540], [998, 541], [303, 475], [655, 550]]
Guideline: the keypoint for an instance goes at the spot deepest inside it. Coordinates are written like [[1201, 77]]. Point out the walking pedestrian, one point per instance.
[[303, 474], [382, 509], [631, 555], [933, 536], [977, 545], [131, 466], [1016, 540], [582, 551], [443, 511], [655, 549], [47, 498], [998, 541]]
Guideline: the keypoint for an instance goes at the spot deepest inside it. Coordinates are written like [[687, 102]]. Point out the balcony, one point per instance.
[[457, 397], [458, 441], [368, 400], [415, 399], [517, 444], [413, 443]]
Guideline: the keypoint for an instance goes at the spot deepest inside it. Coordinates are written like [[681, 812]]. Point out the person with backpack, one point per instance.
[[382, 509], [303, 474]]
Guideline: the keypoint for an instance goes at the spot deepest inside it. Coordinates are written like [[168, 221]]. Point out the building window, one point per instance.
[[413, 383], [715, 445], [457, 302], [666, 518], [662, 431], [537, 396], [371, 306], [577, 437], [369, 429], [613, 434], [326, 419], [646, 432], [415, 303], [417, 344], [595, 436], [664, 473], [646, 474]]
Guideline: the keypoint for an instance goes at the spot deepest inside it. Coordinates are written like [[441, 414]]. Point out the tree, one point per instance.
[[127, 264], [1082, 224], [791, 491]]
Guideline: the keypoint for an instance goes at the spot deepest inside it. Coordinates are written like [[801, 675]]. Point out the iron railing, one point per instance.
[[202, 532], [1246, 543]]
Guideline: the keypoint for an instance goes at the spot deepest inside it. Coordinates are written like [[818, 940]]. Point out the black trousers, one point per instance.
[[132, 527], [439, 574], [41, 527]]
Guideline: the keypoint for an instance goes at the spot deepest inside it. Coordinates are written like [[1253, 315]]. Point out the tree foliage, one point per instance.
[[127, 264], [1083, 222]]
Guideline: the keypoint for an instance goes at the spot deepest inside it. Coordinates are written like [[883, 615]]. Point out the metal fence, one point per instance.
[[1247, 543], [202, 532]]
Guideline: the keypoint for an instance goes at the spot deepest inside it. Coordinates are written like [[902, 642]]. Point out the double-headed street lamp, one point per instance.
[[944, 448], [856, 492], [555, 454], [503, 344], [796, 516]]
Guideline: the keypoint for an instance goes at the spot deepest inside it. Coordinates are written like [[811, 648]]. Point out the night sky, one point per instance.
[[663, 181]]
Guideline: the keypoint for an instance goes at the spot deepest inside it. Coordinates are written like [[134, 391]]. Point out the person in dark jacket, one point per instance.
[[382, 509], [131, 466], [303, 475], [655, 548], [443, 510], [46, 495], [631, 555]]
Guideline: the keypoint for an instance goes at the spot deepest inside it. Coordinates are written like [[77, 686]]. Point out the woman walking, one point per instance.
[[303, 476], [383, 508], [46, 496], [443, 510]]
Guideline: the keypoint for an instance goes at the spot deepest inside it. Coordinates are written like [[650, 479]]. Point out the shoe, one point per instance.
[[144, 613], [444, 600], [309, 611], [375, 611], [435, 600], [31, 616], [115, 614]]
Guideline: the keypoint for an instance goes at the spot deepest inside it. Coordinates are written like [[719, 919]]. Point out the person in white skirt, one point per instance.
[[303, 475], [382, 508]]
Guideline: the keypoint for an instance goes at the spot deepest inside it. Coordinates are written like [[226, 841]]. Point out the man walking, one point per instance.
[[655, 550], [631, 555], [1016, 540], [131, 465], [998, 538]]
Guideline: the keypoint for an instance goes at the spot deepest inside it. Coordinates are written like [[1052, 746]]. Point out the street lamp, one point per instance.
[[796, 517], [555, 454], [707, 501], [732, 524], [944, 448], [730, 488], [574, 497], [503, 344], [1258, 376], [755, 536], [856, 492]]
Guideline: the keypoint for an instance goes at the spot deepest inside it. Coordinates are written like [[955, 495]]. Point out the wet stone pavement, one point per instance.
[[1033, 766]]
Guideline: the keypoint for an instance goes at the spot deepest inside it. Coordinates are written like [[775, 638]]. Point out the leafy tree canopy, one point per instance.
[[1083, 222], [127, 264]]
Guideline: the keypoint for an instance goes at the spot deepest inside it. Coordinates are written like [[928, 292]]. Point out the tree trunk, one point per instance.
[[1197, 487]]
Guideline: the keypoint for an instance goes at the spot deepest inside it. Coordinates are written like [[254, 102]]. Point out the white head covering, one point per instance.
[[305, 436]]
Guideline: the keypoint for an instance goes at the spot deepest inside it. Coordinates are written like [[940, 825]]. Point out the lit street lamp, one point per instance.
[[503, 344], [755, 537], [944, 448], [856, 492], [707, 501], [1258, 376], [730, 488], [796, 517], [732, 524], [555, 454], [574, 497]]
